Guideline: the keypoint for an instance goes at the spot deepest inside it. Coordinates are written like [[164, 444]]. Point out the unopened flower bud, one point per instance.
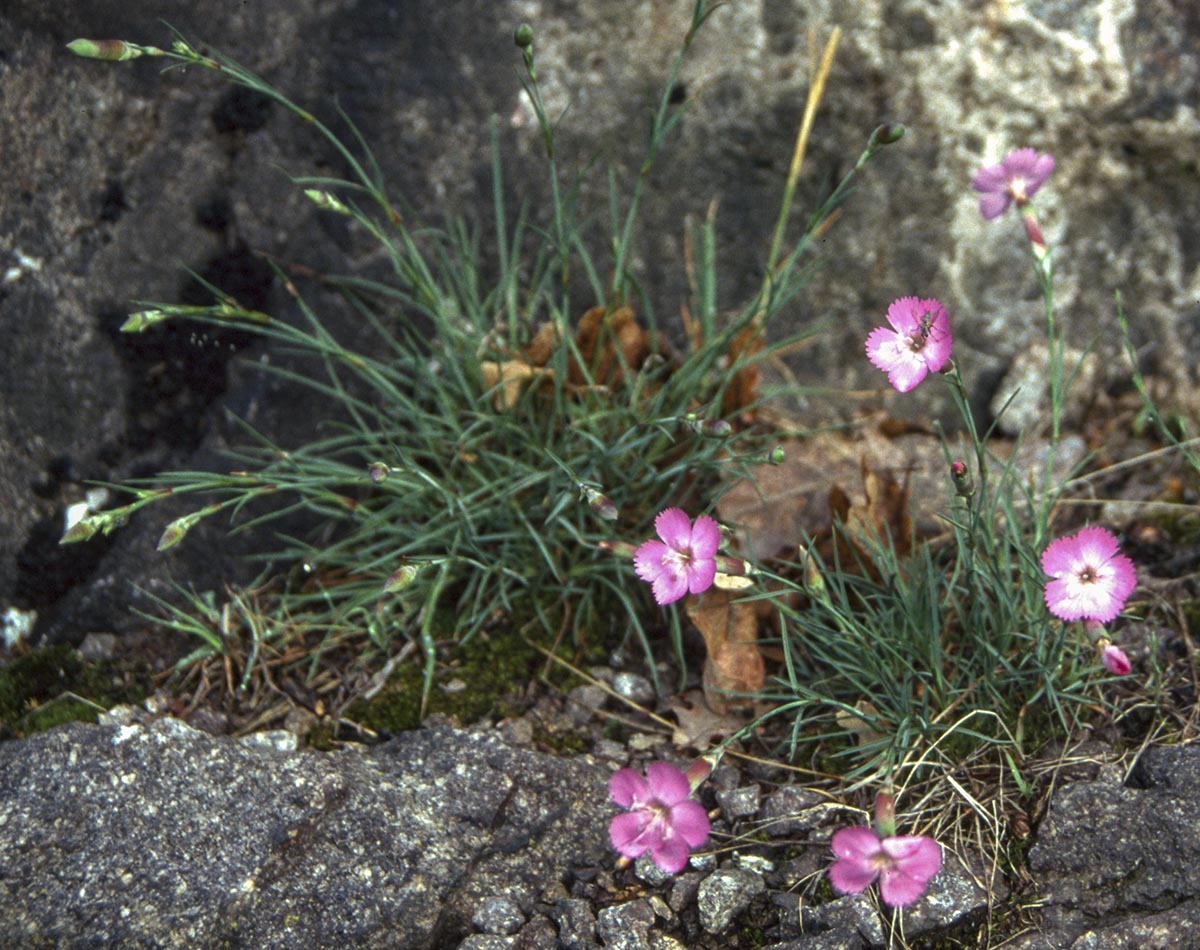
[[887, 134], [700, 770], [81, 530], [523, 36], [885, 815], [1114, 659], [113, 51], [327, 201], [710, 428], [378, 471], [778, 456], [400, 578], [601, 505], [143, 320], [964, 484], [177, 530]]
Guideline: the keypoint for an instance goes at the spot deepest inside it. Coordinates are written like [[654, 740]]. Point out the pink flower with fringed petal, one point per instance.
[[1091, 581], [684, 561], [1015, 179], [903, 864], [917, 344], [662, 819]]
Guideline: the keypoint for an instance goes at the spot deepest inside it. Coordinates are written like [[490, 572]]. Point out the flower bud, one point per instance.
[[709, 428], [885, 815], [601, 505], [778, 456], [886, 134], [964, 484], [378, 471], [143, 320], [113, 51], [1114, 659], [327, 201], [81, 530], [523, 36], [177, 530], [400, 578]]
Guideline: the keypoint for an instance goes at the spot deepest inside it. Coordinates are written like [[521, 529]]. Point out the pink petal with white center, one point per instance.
[[670, 853], [627, 833], [690, 820], [648, 560], [674, 527], [701, 575], [706, 537], [628, 788], [668, 785], [669, 586]]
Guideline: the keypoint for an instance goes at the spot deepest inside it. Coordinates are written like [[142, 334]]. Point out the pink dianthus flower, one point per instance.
[[661, 819], [904, 864], [1016, 178], [1091, 581], [917, 344], [684, 561]]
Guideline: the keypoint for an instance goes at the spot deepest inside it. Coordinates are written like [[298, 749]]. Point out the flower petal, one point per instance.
[[904, 315], [674, 527], [648, 560], [670, 853], [851, 875], [857, 842], [706, 537], [668, 587], [701, 575], [628, 788], [919, 855], [1095, 545], [690, 821], [627, 833], [898, 889], [667, 783]]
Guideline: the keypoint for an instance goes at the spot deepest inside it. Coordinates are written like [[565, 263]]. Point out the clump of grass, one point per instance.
[[496, 427]]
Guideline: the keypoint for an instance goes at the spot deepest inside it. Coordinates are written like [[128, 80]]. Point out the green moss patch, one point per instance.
[[53, 685]]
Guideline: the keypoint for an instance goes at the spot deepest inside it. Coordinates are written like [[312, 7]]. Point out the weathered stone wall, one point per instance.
[[116, 175]]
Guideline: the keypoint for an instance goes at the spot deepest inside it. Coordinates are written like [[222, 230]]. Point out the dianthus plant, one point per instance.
[[910, 652]]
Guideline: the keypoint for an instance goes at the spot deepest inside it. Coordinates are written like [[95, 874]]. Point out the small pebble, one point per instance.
[[498, 915], [740, 802], [633, 687], [576, 924], [725, 894]]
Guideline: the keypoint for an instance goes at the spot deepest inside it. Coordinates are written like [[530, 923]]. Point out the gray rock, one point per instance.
[[633, 687], [1104, 848], [113, 173], [487, 942], [724, 894], [498, 915], [740, 802], [1174, 929], [162, 835], [854, 915], [576, 924], [626, 926], [790, 810]]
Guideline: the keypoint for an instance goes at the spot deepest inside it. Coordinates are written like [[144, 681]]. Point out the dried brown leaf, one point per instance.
[[734, 663], [700, 728], [510, 376]]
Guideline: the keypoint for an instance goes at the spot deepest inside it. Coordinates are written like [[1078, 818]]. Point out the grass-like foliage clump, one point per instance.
[[514, 430], [480, 448]]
